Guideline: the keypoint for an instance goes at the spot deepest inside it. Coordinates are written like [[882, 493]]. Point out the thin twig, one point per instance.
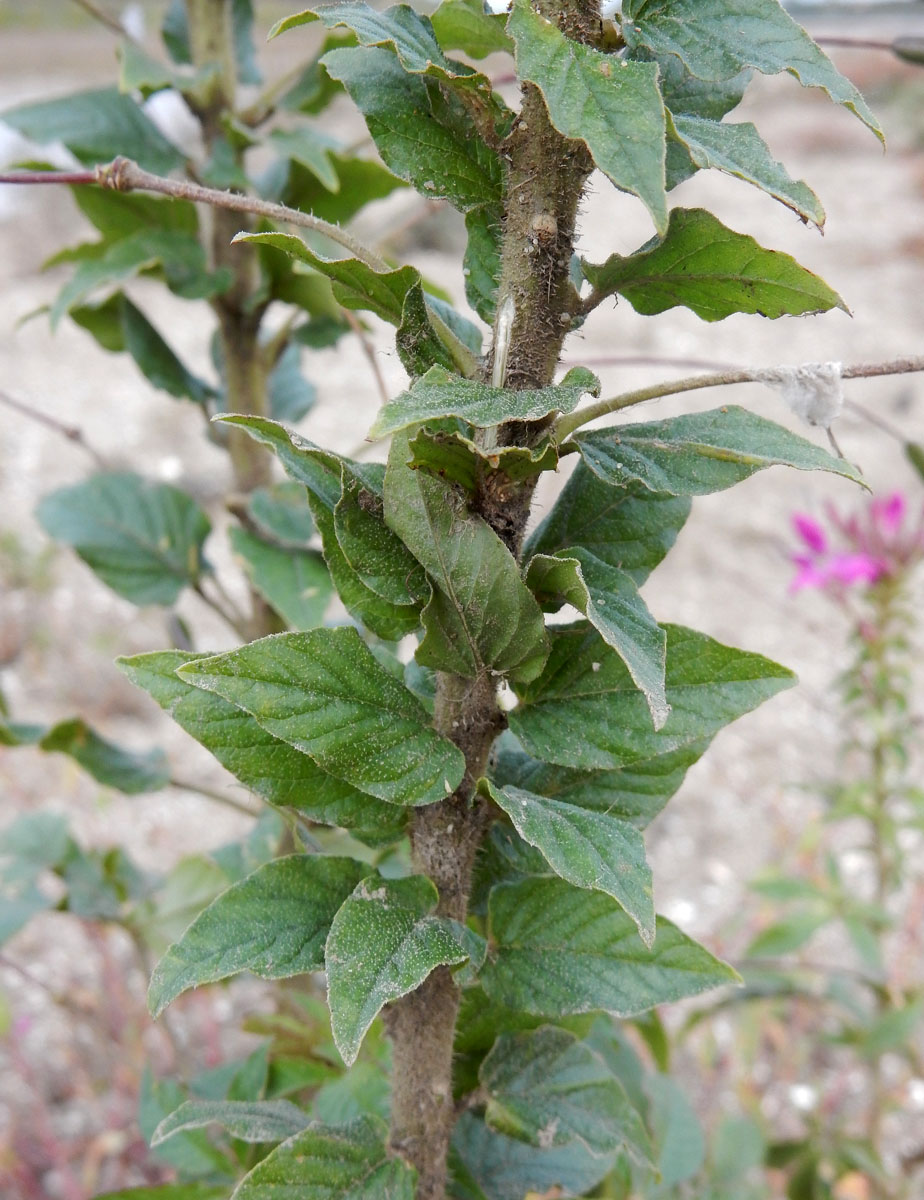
[[369, 350], [71, 432], [98, 14], [568, 424], [123, 175], [218, 797], [850, 43], [230, 616]]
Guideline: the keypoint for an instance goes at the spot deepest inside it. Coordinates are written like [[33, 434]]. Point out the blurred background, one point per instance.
[[75, 1033]]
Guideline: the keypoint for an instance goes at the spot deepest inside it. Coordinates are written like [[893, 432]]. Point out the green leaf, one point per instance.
[[291, 395], [176, 252], [739, 150], [375, 553], [341, 1162], [556, 950], [635, 793], [321, 472], [465, 25], [677, 1131], [481, 265], [383, 943], [704, 266], [248, 1121], [119, 214], [592, 850], [356, 285], [786, 935], [455, 456], [408, 33], [312, 149], [281, 512], [609, 599], [440, 394], [718, 38], [265, 765], [481, 617], [422, 341], [486, 1165], [423, 136], [118, 325], [611, 104], [550, 1089], [359, 182], [96, 126], [143, 539], [273, 923], [584, 710], [629, 529], [700, 453], [128, 771], [325, 693], [155, 359], [295, 582]]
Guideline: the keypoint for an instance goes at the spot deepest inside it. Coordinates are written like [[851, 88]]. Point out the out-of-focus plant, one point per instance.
[[867, 1005]]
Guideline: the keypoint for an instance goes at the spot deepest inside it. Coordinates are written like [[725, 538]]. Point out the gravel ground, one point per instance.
[[65, 1101]]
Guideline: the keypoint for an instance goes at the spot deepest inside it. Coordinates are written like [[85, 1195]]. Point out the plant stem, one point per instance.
[[568, 424], [546, 176], [71, 432], [123, 175], [218, 797]]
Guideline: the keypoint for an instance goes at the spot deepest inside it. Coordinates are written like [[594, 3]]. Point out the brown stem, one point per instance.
[[568, 424], [123, 175], [546, 176], [71, 432]]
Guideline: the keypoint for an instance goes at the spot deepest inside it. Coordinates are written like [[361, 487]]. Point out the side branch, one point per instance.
[[123, 175], [566, 425]]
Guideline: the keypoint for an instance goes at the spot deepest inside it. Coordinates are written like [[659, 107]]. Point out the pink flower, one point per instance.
[[858, 549]]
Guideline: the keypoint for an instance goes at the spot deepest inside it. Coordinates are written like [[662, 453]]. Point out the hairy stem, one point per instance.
[[546, 176]]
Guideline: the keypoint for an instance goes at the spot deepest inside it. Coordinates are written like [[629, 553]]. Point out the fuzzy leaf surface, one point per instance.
[[273, 923], [465, 25], [143, 539], [635, 793], [700, 453], [487, 1165], [409, 33], [613, 105], [356, 284], [548, 1088], [374, 552], [326, 694], [584, 710], [422, 136], [629, 529], [454, 455], [610, 600], [716, 39], [702, 265], [295, 582], [322, 473], [481, 617], [739, 150], [383, 943], [440, 394], [252, 1121], [267, 766], [592, 850], [556, 950], [331, 1162]]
